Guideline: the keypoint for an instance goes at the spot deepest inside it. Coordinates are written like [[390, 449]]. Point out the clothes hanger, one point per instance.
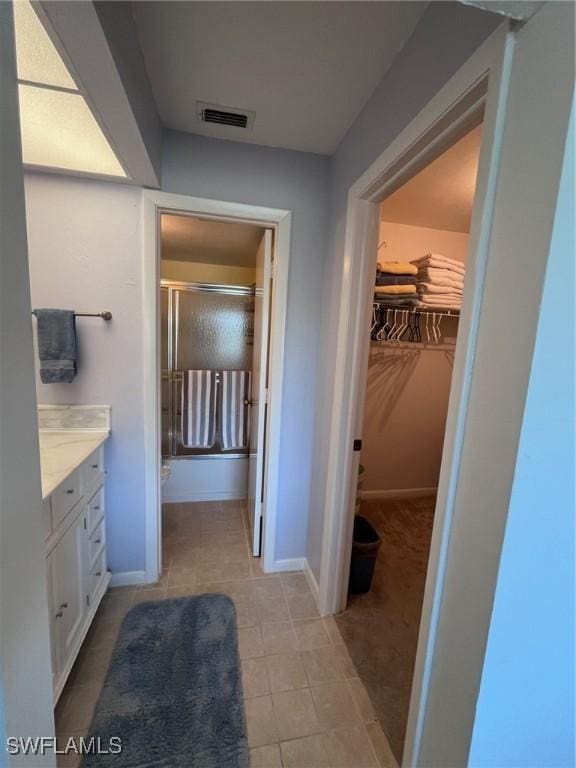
[[394, 332], [439, 327], [418, 335], [389, 325], [403, 324], [411, 328], [383, 331], [434, 329]]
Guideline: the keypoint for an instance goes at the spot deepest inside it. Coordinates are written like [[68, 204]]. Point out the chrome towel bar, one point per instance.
[[104, 315]]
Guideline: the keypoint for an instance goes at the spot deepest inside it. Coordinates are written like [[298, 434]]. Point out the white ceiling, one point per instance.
[[305, 68], [441, 196], [185, 238]]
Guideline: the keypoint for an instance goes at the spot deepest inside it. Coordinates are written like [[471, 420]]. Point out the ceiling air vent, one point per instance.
[[236, 118], [224, 118]]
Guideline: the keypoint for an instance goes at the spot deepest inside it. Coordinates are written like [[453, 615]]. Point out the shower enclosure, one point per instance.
[[204, 327]]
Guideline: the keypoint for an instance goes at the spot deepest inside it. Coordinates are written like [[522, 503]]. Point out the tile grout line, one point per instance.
[[372, 747], [324, 730], [290, 621]]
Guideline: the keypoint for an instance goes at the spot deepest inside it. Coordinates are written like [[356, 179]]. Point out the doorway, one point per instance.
[[478, 92], [215, 295], [420, 266], [263, 407]]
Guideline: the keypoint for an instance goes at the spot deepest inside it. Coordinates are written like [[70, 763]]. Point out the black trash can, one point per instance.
[[365, 546]]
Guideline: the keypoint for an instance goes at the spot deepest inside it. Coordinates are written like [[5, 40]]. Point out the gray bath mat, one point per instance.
[[173, 692]]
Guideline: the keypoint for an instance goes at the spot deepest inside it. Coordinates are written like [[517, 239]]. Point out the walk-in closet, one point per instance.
[[419, 278]]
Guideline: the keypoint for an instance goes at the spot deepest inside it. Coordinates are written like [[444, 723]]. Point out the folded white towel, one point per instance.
[[442, 262], [448, 299], [427, 288], [445, 292], [441, 307], [441, 277], [446, 260]]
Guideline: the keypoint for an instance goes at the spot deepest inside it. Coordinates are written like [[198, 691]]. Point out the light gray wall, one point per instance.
[[296, 181], [25, 679], [446, 36], [525, 711], [86, 254]]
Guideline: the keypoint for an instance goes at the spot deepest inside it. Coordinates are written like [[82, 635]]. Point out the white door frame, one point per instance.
[[259, 390], [481, 85], [279, 220]]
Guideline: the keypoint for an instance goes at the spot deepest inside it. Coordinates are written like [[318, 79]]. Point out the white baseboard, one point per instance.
[[399, 493], [127, 578], [290, 564], [314, 588], [203, 496]]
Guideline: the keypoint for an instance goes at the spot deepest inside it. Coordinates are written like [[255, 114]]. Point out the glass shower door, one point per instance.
[[213, 330]]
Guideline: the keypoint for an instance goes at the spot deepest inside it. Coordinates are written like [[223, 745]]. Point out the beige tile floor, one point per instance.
[[305, 705]]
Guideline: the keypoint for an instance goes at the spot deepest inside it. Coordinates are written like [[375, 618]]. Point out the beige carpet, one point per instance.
[[380, 629]]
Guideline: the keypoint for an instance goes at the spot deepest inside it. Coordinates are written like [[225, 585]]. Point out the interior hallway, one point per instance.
[[380, 629], [305, 705]]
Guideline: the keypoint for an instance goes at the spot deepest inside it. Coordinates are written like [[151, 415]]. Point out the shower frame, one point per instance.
[[174, 287]]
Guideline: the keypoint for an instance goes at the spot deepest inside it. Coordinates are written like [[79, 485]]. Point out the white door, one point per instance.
[[258, 395]]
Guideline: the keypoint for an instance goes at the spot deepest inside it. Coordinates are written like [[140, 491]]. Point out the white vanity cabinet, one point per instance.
[[75, 527]]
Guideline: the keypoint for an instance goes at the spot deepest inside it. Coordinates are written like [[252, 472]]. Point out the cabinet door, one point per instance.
[[69, 594], [54, 645]]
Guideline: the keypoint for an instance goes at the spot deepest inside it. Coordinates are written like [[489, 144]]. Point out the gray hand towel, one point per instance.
[[56, 345]]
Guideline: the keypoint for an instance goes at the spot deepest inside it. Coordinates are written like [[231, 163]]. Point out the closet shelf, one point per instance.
[[444, 311]]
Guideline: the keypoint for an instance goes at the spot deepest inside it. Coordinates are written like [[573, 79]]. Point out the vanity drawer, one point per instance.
[[92, 471], [64, 498], [47, 517], [97, 574], [97, 539], [95, 509]]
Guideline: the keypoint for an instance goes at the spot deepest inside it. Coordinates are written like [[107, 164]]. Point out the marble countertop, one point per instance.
[[62, 451]]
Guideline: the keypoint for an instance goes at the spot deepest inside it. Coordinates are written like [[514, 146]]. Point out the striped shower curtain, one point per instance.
[[235, 415], [198, 409]]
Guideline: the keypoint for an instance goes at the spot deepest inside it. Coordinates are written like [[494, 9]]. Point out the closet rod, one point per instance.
[[418, 310]]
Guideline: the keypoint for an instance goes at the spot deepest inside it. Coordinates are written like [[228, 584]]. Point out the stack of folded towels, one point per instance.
[[440, 281], [396, 283]]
